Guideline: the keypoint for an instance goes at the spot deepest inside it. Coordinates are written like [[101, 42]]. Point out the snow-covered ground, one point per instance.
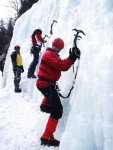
[[87, 122]]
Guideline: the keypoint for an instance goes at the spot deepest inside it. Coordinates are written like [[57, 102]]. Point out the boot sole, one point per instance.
[[48, 144]]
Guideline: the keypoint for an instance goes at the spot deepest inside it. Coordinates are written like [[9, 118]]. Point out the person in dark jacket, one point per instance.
[[17, 67], [37, 42], [49, 72]]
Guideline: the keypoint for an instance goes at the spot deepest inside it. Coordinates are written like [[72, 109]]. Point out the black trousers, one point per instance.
[[17, 74], [35, 52], [17, 77], [54, 100]]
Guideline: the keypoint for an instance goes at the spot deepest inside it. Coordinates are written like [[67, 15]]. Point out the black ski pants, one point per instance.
[[17, 74], [17, 77], [54, 100], [35, 51]]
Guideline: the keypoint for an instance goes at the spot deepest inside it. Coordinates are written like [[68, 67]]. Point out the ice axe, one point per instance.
[[51, 31], [75, 48], [77, 37]]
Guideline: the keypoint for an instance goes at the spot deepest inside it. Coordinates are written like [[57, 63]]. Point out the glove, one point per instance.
[[74, 54], [22, 69]]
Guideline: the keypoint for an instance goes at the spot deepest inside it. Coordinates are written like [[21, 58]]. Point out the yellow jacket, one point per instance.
[[19, 60], [16, 59]]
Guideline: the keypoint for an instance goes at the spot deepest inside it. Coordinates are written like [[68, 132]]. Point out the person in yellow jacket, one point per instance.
[[17, 67]]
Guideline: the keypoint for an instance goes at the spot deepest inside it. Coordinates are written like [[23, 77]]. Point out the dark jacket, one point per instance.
[[16, 60]]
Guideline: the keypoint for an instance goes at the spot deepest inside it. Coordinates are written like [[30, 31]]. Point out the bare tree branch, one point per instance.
[[14, 4]]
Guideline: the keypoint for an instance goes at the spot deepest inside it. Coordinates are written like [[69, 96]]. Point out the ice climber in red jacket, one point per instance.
[[37, 42], [49, 72]]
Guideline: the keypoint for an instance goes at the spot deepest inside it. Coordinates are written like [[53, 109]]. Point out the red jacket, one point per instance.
[[51, 66], [37, 38]]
